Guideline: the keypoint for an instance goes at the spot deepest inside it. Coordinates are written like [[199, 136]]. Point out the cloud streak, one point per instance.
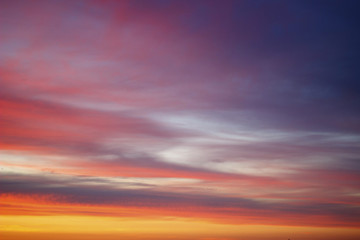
[[80, 193]]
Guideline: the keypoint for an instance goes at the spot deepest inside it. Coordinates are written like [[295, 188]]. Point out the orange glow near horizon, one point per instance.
[[178, 228]]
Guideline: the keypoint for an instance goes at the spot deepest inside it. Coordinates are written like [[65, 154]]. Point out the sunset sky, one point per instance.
[[181, 120]]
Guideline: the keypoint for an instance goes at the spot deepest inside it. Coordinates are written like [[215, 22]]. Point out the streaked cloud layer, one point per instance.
[[184, 115]]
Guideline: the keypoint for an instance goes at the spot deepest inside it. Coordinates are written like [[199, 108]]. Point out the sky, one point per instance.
[[200, 120]]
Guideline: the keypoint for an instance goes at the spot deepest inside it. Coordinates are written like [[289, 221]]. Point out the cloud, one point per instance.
[[78, 192], [252, 105]]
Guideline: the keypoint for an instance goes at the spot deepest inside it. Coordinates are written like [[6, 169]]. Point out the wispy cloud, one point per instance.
[[243, 112]]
